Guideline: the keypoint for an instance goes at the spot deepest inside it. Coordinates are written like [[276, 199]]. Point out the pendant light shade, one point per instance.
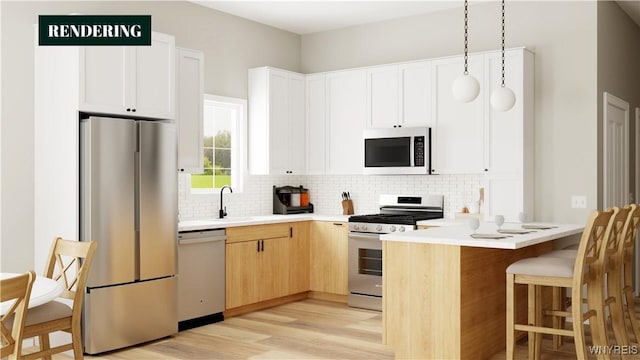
[[503, 98], [465, 87]]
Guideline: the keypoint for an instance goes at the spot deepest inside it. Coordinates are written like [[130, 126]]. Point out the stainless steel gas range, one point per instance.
[[398, 213]]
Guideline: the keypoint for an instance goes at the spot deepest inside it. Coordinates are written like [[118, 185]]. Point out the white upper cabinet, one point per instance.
[[346, 117], [508, 180], [153, 93], [504, 129], [316, 124], [416, 89], [129, 80], [189, 109], [383, 97], [458, 144], [276, 122]]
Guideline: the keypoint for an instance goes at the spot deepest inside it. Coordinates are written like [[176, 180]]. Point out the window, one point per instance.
[[224, 138]]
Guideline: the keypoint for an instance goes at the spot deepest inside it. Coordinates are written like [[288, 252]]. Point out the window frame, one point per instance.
[[238, 144]]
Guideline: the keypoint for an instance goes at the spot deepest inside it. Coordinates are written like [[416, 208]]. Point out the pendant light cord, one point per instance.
[[466, 38], [502, 43]]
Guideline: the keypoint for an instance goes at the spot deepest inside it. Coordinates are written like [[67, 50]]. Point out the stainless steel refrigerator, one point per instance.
[[128, 204]]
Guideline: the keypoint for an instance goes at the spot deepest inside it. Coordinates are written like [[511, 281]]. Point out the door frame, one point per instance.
[[636, 199], [610, 99]]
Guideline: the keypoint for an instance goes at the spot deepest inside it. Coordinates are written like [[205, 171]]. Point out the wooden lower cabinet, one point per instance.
[[299, 258], [259, 268], [329, 257]]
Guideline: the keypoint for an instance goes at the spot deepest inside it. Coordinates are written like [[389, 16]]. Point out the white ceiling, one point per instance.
[[310, 16], [305, 17]]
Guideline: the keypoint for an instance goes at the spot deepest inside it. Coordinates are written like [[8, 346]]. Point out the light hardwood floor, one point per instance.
[[308, 329]]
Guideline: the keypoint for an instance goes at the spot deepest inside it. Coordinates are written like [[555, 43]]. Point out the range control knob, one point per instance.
[[364, 227], [392, 228], [401, 229], [356, 227], [379, 228]]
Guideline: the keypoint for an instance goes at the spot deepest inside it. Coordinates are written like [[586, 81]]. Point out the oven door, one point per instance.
[[365, 264]]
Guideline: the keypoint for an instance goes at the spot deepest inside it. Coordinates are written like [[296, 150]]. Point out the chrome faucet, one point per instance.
[[223, 211]]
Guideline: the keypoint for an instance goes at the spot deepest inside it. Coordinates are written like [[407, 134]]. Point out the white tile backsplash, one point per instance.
[[324, 193]]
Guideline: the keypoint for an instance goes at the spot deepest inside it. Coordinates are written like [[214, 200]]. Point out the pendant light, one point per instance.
[[503, 98], [466, 88]]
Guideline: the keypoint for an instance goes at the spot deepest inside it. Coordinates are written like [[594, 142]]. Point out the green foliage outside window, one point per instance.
[[217, 162]]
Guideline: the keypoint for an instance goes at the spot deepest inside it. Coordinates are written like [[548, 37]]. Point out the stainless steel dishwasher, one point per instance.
[[201, 277]]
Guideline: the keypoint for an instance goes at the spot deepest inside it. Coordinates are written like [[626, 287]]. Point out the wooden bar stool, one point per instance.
[[587, 269], [612, 257], [631, 232]]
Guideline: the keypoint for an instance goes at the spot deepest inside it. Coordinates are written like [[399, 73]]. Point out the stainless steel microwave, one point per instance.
[[397, 150]]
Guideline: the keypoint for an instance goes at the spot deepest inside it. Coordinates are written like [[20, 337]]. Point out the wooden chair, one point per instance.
[[587, 269], [621, 233], [631, 233], [69, 261], [17, 289]]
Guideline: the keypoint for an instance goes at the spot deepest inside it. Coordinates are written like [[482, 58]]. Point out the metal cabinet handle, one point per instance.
[[262, 241]]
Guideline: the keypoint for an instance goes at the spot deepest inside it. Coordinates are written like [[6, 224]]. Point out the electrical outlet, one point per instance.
[[579, 202]]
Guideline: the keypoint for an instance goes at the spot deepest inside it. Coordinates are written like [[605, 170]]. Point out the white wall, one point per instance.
[[618, 72], [563, 37], [231, 46]]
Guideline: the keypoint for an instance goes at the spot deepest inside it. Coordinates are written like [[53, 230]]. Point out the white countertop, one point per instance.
[[459, 235], [232, 221]]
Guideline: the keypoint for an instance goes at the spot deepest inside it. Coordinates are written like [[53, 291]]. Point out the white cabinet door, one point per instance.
[[416, 87], [315, 121], [153, 93], [509, 137], [297, 126], [383, 97], [105, 79], [459, 130], [276, 122], [189, 109], [129, 80], [504, 131], [504, 195], [278, 105], [346, 113]]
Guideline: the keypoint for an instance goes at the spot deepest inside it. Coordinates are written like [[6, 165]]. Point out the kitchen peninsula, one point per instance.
[[444, 291]]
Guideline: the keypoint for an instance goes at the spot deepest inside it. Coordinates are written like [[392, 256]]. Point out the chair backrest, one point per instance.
[[588, 264], [18, 289], [612, 257], [69, 262], [630, 231]]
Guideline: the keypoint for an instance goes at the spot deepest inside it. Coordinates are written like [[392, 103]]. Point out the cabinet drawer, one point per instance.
[[257, 232]]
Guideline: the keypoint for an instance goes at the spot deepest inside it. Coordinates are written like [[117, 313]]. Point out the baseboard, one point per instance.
[[264, 304], [319, 295], [201, 321]]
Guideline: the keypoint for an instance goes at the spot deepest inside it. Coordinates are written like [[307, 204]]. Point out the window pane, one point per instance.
[[220, 123], [202, 181], [223, 158], [223, 139]]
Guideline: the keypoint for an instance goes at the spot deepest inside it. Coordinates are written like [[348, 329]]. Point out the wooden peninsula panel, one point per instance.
[[448, 301]]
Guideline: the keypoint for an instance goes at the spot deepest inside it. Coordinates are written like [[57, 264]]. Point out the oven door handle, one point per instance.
[[364, 236]]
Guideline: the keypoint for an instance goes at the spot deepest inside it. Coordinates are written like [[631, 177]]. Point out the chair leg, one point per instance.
[[511, 319], [558, 304], [44, 345], [538, 319], [532, 320], [76, 337], [617, 312], [631, 310]]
